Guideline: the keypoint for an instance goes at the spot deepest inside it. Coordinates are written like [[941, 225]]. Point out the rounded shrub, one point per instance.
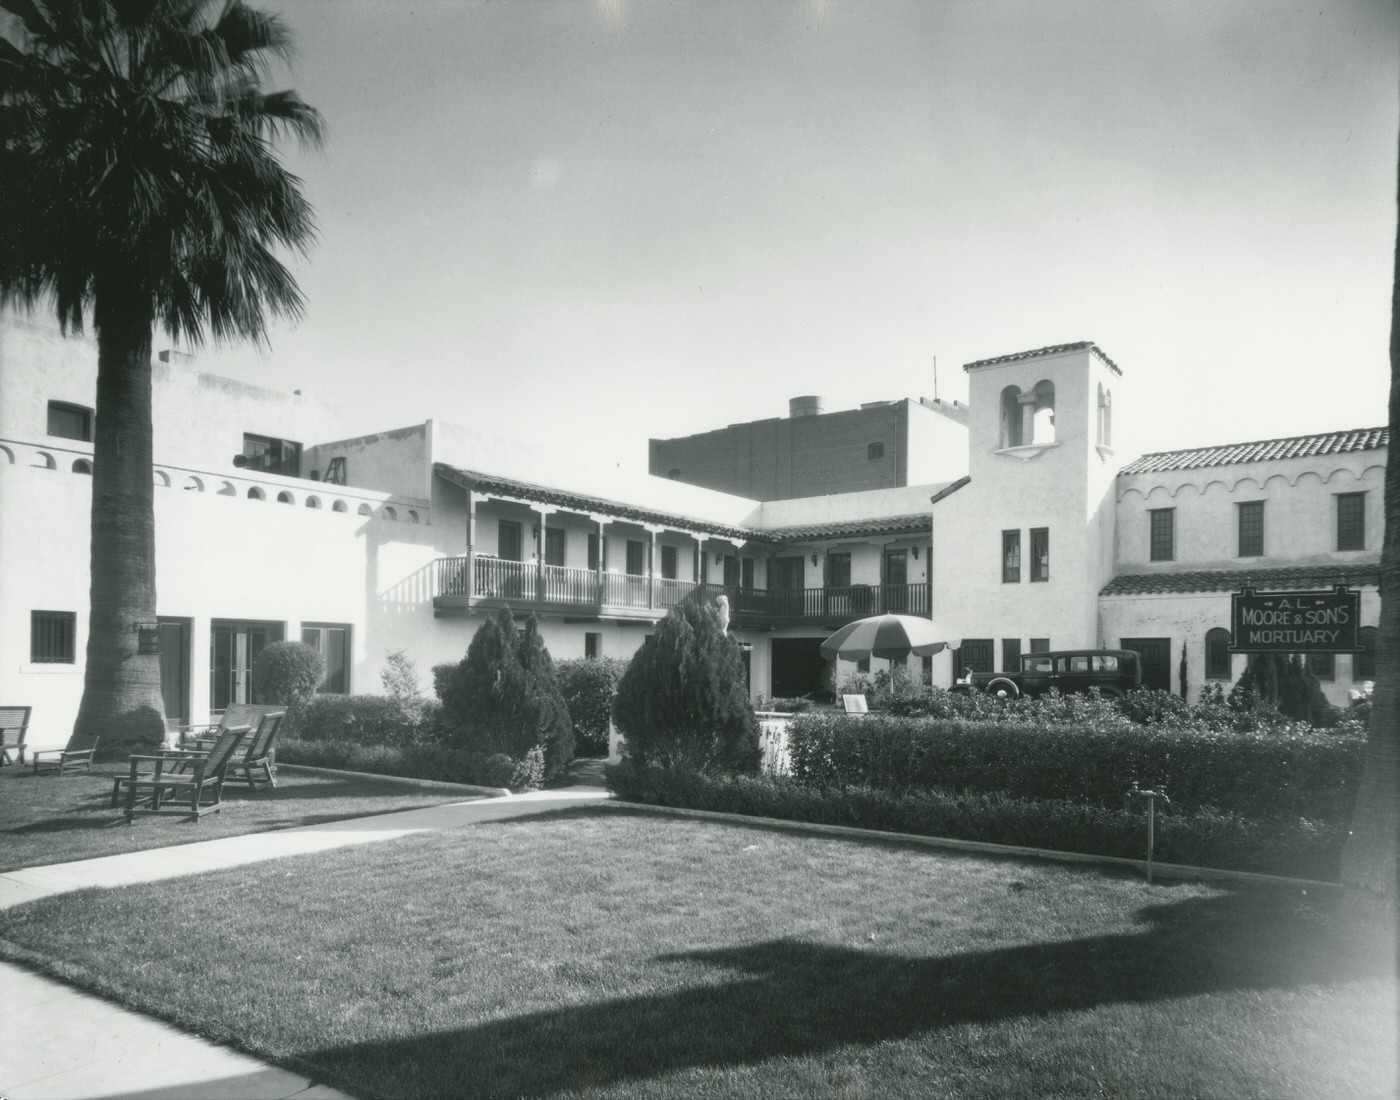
[[288, 673], [588, 685]]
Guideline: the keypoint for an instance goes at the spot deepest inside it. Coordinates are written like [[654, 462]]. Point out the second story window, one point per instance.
[[1162, 525], [1010, 557], [1351, 521], [668, 563], [1251, 521], [70, 421], [271, 456], [636, 558], [1040, 553], [508, 540]]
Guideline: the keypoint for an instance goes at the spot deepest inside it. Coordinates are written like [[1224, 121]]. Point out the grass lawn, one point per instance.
[[54, 819], [616, 955]]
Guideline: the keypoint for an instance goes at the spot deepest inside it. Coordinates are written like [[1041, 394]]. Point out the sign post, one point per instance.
[[1295, 622]]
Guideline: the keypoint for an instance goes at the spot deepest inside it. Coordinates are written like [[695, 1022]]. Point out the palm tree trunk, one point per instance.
[[122, 705], [1370, 860]]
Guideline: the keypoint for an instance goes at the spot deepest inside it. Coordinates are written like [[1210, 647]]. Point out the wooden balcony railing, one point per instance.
[[526, 584]]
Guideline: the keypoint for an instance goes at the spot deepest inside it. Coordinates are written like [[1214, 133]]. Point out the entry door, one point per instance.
[[233, 647], [1156, 660], [896, 581], [175, 671]]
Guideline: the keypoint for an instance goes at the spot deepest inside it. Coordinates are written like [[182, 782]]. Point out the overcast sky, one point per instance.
[[584, 223]]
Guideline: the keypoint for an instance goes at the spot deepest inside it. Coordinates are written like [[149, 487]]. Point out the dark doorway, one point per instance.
[[175, 671], [797, 666], [1156, 660]]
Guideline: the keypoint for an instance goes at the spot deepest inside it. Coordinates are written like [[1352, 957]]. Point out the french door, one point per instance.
[[233, 647]]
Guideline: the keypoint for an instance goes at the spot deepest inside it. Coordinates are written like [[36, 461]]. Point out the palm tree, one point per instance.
[[139, 184]]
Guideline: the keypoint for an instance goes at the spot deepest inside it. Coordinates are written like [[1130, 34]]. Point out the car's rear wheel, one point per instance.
[[1003, 688]]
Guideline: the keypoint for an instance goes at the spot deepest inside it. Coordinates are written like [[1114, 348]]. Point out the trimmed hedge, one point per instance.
[[438, 762], [1294, 774], [1294, 847], [364, 720]]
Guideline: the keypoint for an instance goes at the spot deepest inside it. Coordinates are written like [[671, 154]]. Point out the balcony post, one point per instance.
[[471, 543]]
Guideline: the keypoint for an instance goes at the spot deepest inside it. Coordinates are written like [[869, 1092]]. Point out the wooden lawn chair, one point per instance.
[[62, 761], [202, 738], [258, 763], [14, 724], [198, 790]]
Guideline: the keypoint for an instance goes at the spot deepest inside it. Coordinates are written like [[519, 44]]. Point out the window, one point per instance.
[[746, 573], [1043, 419], [1351, 521], [1162, 528], [1010, 557], [838, 569], [1010, 654], [1040, 553], [1323, 665], [272, 456], [332, 642], [554, 546], [53, 637], [1011, 417], [1251, 529], [668, 563], [70, 421], [1217, 653], [1363, 662], [731, 571], [1040, 645], [874, 451], [636, 558], [592, 645], [509, 540], [234, 646], [594, 557]]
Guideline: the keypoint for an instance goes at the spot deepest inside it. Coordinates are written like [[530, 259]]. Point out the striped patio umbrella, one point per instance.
[[888, 636]]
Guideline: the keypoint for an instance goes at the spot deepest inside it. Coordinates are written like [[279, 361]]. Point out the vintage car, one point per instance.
[[1113, 672]]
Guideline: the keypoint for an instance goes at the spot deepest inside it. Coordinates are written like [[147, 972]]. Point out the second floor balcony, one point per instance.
[[478, 581]]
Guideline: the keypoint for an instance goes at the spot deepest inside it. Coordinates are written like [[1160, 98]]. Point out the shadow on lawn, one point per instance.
[[785, 998]]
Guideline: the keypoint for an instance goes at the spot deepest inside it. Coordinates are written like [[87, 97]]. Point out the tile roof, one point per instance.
[[1298, 446], [1288, 578], [1053, 349], [909, 523]]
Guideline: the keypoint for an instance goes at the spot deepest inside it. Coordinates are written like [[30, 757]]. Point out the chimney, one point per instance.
[[805, 406]]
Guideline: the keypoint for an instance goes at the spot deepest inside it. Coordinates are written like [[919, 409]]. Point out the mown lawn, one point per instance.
[[54, 819], [615, 954]]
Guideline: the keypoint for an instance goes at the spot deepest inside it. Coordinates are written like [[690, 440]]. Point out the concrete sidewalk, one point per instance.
[[58, 1043]]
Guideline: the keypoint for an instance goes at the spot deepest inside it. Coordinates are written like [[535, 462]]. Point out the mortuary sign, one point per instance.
[[1295, 622]]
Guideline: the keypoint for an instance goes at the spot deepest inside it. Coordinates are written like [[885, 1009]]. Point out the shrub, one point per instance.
[[503, 697], [438, 762], [1277, 681], [365, 720], [288, 673], [1302, 773], [588, 685], [682, 700], [1207, 838]]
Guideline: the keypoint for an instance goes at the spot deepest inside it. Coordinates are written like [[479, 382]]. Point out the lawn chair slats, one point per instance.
[[14, 724]]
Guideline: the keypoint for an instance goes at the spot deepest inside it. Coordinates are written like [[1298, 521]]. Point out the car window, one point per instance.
[[1079, 664], [1036, 664], [1105, 663]]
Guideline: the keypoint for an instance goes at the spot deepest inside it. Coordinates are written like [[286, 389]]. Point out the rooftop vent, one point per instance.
[[805, 406]]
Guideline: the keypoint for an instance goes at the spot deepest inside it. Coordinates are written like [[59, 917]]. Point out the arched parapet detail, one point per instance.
[[82, 466], [413, 516], [44, 461], [389, 512], [160, 478], [313, 502], [339, 506], [194, 484], [226, 489], [256, 494], [365, 510], [1342, 475], [7, 456], [285, 497]]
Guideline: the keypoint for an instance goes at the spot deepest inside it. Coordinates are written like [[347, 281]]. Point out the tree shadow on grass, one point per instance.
[[790, 999]]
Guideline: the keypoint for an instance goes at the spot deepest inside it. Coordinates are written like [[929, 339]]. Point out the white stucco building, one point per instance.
[[271, 526]]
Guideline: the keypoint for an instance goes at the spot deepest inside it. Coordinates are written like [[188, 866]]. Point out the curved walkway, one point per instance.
[[59, 1043]]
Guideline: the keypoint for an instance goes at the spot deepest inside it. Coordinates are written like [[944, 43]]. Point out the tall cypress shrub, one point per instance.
[[503, 698], [683, 701]]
